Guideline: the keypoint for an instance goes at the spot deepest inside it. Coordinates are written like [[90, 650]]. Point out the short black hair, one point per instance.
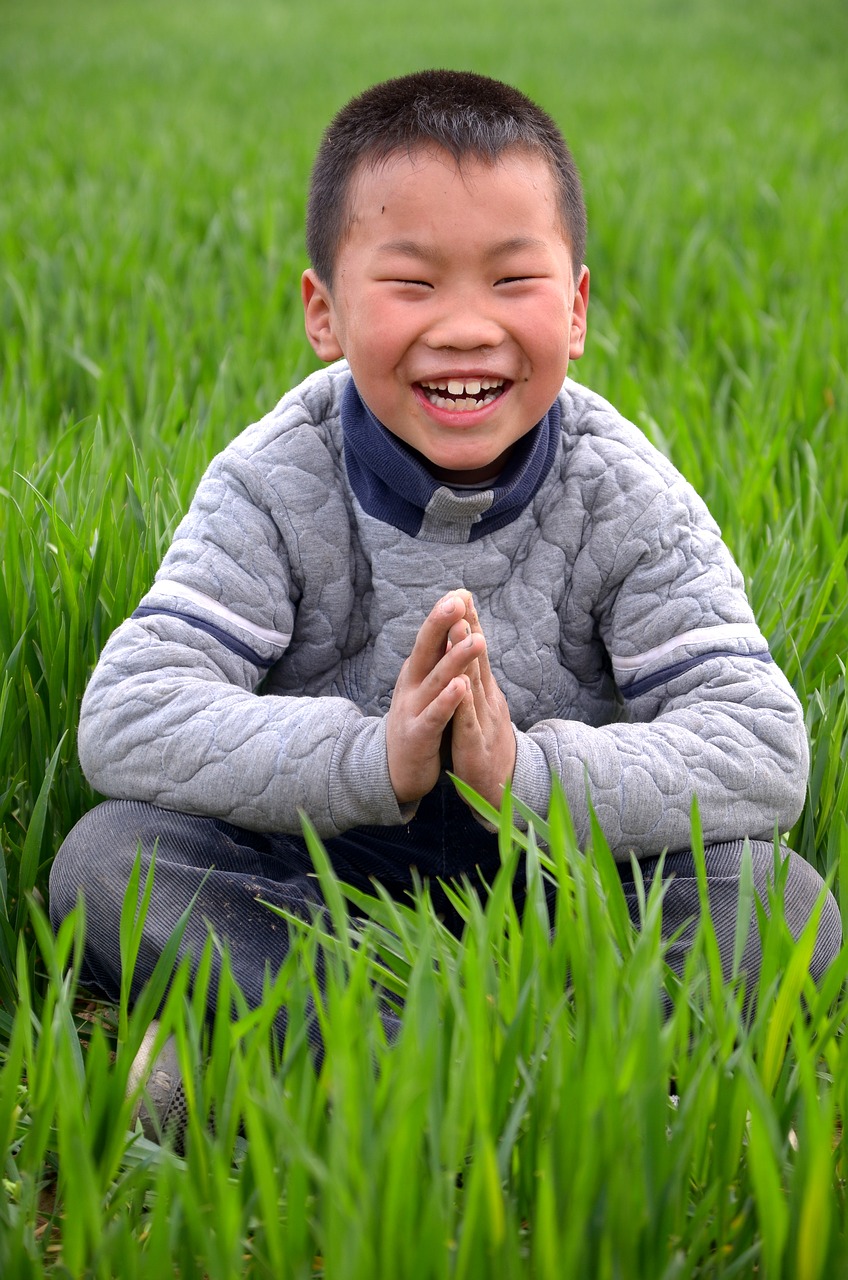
[[465, 114]]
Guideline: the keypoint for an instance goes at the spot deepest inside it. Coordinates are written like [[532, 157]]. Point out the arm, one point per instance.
[[171, 714], [705, 711], [735, 740]]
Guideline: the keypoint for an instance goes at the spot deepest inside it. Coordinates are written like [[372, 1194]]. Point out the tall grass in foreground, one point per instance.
[[520, 1124]]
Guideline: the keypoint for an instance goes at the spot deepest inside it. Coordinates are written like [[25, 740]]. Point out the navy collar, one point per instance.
[[393, 485]]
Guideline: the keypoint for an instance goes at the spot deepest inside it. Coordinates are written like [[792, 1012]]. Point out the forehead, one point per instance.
[[429, 190]]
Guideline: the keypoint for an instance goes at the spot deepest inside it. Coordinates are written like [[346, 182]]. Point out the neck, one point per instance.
[[395, 484]]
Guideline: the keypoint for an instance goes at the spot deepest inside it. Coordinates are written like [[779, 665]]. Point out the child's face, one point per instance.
[[455, 303]]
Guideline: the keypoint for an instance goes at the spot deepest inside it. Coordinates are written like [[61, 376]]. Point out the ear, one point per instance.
[[577, 339], [319, 317]]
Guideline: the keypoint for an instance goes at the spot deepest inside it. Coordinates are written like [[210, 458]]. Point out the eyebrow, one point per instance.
[[425, 253]]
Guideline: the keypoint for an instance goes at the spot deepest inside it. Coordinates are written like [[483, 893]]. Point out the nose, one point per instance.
[[463, 323]]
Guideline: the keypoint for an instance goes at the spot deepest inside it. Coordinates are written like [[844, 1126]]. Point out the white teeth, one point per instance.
[[456, 387], [461, 406]]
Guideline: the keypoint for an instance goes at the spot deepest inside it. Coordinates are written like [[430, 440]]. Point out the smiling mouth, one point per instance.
[[463, 394]]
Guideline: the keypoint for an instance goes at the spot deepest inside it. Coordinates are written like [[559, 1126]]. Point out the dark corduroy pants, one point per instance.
[[234, 872]]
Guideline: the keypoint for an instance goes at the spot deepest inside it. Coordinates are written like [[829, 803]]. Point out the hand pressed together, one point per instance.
[[482, 739], [447, 680]]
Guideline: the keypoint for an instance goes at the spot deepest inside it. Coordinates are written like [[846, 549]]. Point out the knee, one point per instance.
[[96, 859], [803, 890]]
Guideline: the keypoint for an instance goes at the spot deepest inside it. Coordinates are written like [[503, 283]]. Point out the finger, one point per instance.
[[483, 691], [456, 664], [487, 679], [417, 697], [459, 631], [431, 641], [471, 611], [466, 730], [438, 713], [466, 726], [474, 623]]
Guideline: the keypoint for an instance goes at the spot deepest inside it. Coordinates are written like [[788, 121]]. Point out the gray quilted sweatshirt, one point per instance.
[[617, 626]]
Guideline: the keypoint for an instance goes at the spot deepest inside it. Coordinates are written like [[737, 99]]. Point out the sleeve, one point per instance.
[[172, 715], [705, 711]]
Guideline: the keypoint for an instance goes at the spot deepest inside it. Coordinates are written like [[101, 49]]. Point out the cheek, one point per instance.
[[382, 332], [549, 345], [544, 326], [547, 349]]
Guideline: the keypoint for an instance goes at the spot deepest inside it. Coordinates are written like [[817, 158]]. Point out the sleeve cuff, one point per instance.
[[360, 789]]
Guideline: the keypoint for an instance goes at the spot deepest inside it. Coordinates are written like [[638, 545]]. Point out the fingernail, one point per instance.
[[449, 605]]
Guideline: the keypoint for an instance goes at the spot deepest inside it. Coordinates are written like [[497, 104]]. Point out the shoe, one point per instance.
[[161, 1107]]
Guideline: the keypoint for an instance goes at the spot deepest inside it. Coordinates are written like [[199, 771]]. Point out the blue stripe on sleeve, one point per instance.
[[218, 633], [647, 683]]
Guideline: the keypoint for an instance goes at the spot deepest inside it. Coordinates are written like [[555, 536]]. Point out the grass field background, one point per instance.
[[153, 164]]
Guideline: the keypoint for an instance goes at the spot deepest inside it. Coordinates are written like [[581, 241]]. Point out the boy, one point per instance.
[[439, 551]]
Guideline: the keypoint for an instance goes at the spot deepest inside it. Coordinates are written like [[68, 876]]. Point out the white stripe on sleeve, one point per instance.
[[280, 639], [700, 635]]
